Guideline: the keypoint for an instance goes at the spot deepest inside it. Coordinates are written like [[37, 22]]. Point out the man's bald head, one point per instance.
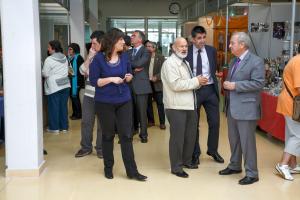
[[180, 47]]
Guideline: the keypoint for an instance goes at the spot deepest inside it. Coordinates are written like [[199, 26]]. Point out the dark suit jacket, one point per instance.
[[158, 62], [212, 59], [140, 81]]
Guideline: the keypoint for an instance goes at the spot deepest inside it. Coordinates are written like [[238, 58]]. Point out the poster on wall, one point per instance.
[[259, 27], [278, 30]]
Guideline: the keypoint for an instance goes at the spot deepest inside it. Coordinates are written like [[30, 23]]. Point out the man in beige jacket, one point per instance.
[[180, 105]]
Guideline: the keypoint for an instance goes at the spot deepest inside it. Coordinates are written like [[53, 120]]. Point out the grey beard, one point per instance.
[[180, 55]]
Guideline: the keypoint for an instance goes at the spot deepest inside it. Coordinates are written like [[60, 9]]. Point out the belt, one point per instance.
[[209, 85]]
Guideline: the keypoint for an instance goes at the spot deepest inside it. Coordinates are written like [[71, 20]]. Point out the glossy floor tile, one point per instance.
[[67, 177]]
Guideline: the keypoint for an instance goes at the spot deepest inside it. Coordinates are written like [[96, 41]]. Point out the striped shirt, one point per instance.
[[89, 90]]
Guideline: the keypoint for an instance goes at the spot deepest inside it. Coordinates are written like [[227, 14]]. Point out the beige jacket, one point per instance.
[[178, 84]]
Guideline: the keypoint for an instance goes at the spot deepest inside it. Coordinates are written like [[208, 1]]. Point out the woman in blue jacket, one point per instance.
[[110, 73]]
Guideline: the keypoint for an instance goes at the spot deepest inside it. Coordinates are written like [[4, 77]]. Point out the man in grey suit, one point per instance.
[[140, 59], [244, 82]]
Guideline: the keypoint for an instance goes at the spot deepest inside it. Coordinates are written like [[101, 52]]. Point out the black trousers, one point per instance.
[[120, 115], [140, 116], [158, 98], [76, 105], [207, 97]]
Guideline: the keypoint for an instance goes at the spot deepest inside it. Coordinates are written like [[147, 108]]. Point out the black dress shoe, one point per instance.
[[228, 171], [99, 154], [144, 140], [82, 153], [182, 174], [248, 180], [191, 166], [216, 156], [195, 161], [75, 117], [162, 127], [108, 173], [138, 177]]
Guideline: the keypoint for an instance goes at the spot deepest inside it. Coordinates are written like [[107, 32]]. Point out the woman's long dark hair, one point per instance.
[[56, 46], [109, 41]]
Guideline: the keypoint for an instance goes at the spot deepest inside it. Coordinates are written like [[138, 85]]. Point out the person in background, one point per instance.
[[57, 86], [140, 59], [156, 63], [291, 77], [77, 79], [88, 104], [127, 40], [179, 99], [159, 48], [243, 85], [110, 73]]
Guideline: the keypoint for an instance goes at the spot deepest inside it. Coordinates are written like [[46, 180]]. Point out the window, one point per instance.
[[158, 30]]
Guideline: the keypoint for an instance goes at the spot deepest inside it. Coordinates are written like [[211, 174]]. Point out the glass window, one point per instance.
[[159, 30]]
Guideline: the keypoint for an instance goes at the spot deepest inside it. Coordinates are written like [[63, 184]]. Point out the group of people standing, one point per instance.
[[118, 84], [189, 81]]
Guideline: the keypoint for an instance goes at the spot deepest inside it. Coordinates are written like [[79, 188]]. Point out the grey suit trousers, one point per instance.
[[241, 135], [183, 130], [87, 125]]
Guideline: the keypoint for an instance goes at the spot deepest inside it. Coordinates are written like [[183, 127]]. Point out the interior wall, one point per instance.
[[208, 24], [266, 45], [136, 8], [47, 31]]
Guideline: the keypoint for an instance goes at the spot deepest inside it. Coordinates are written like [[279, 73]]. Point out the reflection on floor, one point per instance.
[[66, 177]]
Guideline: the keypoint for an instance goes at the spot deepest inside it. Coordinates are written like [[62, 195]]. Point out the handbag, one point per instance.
[[296, 104]]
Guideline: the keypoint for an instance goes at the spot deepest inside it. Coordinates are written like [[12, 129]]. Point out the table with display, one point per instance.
[[271, 122]]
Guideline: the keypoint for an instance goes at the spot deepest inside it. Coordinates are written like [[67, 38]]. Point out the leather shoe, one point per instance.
[[216, 156], [162, 127], [108, 174], [144, 140], [191, 166], [195, 161], [228, 171], [99, 154], [150, 124], [248, 180], [75, 117], [137, 176], [82, 153], [182, 174]]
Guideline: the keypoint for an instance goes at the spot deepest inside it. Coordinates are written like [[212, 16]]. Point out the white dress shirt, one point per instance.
[[205, 64]]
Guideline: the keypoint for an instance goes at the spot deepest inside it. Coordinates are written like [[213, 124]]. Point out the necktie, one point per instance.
[[134, 52], [235, 66], [199, 63]]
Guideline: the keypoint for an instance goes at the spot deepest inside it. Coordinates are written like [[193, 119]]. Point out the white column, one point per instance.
[[93, 14], [77, 23], [22, 87]]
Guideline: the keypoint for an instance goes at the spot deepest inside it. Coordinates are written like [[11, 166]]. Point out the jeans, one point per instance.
[[58, 110]]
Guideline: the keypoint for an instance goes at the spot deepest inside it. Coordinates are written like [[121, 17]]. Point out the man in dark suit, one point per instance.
[[244, 82], [202, 59], [156, 63], [140, 58]]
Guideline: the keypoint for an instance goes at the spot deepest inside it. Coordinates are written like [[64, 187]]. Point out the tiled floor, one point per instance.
[[67, 177]]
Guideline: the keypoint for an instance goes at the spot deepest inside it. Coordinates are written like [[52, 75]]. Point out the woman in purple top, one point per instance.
[[110, 72]]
